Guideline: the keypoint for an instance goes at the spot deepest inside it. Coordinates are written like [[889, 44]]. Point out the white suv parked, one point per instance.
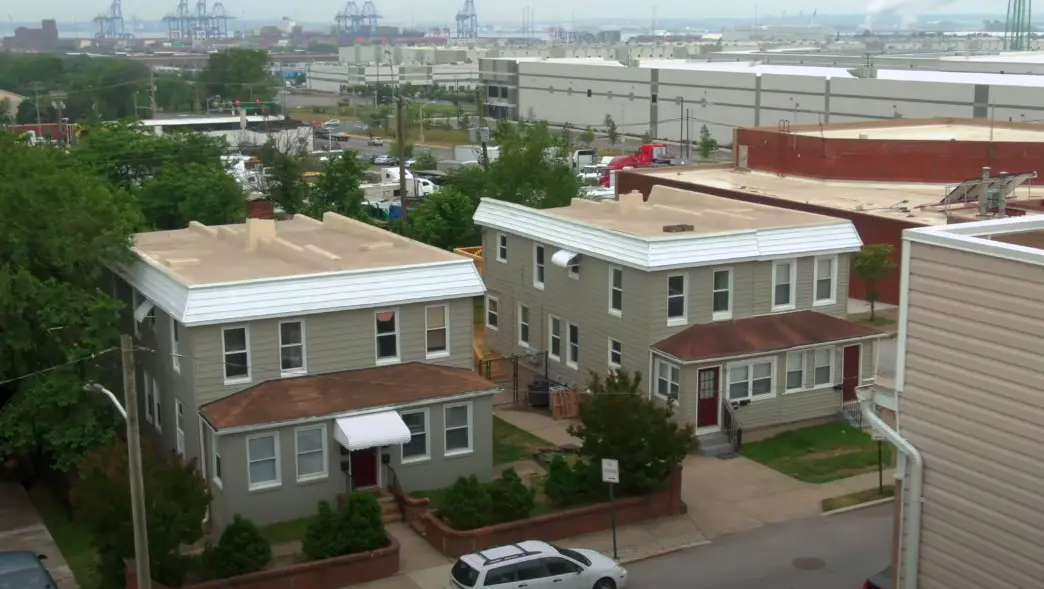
[[536, 565]]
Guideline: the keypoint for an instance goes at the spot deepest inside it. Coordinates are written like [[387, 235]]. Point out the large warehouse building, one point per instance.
[[655, 96]]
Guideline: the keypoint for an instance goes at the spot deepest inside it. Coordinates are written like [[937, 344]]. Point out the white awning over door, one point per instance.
[[371, 430]]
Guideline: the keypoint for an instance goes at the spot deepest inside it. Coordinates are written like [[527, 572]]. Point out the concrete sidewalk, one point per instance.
[[22, 528]]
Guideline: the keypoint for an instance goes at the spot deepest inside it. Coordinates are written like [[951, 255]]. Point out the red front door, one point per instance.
[[850, 372], [364, 468], [707, 395]]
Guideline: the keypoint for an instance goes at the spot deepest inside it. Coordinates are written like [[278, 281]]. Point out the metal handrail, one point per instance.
[[733, 426]]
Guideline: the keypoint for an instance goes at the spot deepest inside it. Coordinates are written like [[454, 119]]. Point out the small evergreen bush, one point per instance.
[[322, 538], [512, 499], [241, 550], [561, 485], [467, 505], [361, 523]]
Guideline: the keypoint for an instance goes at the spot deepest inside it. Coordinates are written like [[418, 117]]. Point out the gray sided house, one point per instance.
[[260, 341], [633, 284]]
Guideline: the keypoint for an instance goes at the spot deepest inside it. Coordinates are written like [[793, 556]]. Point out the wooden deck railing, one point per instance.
[[475, 253]]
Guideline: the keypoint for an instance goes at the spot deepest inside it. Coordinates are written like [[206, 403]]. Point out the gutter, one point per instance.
[[915, 490]]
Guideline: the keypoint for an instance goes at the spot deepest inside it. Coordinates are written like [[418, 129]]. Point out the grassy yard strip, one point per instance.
[[284, 532], [857, 498], [820, 453], [511, 444], [72, 539]]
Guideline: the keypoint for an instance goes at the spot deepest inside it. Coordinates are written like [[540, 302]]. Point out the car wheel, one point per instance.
[[605, 583]]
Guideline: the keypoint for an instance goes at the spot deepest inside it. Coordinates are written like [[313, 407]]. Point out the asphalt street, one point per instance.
[[836, 552]]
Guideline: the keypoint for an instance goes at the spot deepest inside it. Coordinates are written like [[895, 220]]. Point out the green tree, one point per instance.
[[587, 137], [874, 263], [176, 498], [240, 550], [239, 74], [192, 192], [60, 225], [283, 178], [426, 161], [7, 111], [407, 148], [444, 220], [567, 134], [707, 144], [611, 130], [512, 499], [646, 138], [531, 168], [338, 188], [620, 423], [467, 505]]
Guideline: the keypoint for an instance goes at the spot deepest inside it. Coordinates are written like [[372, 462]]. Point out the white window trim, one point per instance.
[[278, 466], [569, 346], [446, 327], [175, 345], [315, 476], [502, 245], [833, 281], [398, 339], [614, 365], [224, 355], [656, 379], [612, 273], [528, 324], [538, 284], [304, 351], [832, 354], [403, 459], [684, 319], [550, 337], [493, 298], [803, 354], [215, 458], [179, 429], [721, 315], [471, 430], [793, 285], [750, 378]]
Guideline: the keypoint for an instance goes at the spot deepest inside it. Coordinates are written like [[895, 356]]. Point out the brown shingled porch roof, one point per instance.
[[339, 392], [765, 333]]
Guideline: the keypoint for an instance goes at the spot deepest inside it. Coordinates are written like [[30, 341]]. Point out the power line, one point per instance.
[[57, 366]]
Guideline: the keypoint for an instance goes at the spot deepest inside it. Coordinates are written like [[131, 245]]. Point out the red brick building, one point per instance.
[[884, 176]]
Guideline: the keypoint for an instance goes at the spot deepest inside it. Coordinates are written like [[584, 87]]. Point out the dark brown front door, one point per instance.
[[707, 397], [850, 372], [364, 468]]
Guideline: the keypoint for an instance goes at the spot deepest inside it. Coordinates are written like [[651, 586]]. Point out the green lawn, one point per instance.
[[858, 498], [288, 531], [73, 540], [511, 444], [820, 453]]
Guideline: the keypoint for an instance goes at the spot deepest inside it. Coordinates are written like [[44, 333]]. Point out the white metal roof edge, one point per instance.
[[299, 277], [973, 238]]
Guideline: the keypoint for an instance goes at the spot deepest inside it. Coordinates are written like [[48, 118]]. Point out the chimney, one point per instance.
[[260, 209], [258, 230], [984, 192]]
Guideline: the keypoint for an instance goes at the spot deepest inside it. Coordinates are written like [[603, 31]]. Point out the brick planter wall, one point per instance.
[[553, 526], [332, 573]]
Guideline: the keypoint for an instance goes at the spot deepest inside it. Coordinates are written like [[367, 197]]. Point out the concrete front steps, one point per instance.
[[390, 511], [715, 444]]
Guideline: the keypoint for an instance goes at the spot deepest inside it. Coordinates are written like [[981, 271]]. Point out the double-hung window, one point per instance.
[[668, 380], [235, 343], [436, 327], [784, 276], [825, 280], [291, 348], [676, 304], [747, 381], [616, 291], [458, 428], [796, 370], [175, 344], [538, 266], [573, 360], [179, 426], [492, 312], [148, 396], [554, 338], [824, 367], [386, 336], [417, 448], [721, 297], [157, 405], [615, 353], [263, 461], [310, 452], [502, 247], [523, 325]]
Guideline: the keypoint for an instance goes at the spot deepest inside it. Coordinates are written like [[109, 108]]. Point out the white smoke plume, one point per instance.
[[888, 6]]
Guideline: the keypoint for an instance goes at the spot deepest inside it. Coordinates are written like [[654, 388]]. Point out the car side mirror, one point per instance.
[[41, 556]]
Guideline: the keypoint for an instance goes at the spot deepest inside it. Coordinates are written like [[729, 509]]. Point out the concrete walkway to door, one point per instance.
[[21, 528]]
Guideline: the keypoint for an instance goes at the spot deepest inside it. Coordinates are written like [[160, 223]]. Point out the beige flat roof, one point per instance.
[[946, 132], [913, 203], [264, 249], [707, 214]]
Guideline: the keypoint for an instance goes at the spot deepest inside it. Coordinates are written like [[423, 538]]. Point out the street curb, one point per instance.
[[664, 552], [873, 503]]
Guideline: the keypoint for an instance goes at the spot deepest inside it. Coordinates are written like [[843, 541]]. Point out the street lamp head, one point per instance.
[[92, 387]]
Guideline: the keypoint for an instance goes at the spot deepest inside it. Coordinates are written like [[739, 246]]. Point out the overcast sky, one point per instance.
[[427, 11]]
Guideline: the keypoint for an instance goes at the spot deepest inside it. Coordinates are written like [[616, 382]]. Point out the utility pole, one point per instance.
[[481, 105], [401, 132], [36, 87], [152, 92], [57, 103], [137, 485]]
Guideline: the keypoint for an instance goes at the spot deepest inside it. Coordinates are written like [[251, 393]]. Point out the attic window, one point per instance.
[[679, 228]]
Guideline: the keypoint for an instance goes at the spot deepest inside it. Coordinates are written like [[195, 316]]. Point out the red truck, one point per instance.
[[648, 156]]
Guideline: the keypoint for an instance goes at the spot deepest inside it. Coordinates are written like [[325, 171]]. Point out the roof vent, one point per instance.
[[679, 228]]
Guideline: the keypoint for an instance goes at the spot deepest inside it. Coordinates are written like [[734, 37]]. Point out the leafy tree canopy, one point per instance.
[[533, 167], [444, 220], [283, 177], [238, 74], [338, 188]]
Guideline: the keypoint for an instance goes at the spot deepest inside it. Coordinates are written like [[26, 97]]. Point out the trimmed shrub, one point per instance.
[[467, 505], [322, 538], [512, 499], [241, 550], [561, 486], [354, 527]]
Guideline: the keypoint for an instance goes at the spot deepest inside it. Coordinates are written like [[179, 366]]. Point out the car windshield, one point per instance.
[[464, 574], [573, 554]]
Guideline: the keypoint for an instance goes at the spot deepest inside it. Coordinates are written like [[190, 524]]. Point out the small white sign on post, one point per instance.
[[610, 470]]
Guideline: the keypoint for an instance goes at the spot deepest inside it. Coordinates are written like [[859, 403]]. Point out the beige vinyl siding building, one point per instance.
[[971, 401]]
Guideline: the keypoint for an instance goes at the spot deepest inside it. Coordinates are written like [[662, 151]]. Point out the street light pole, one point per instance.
[[137, 485]]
